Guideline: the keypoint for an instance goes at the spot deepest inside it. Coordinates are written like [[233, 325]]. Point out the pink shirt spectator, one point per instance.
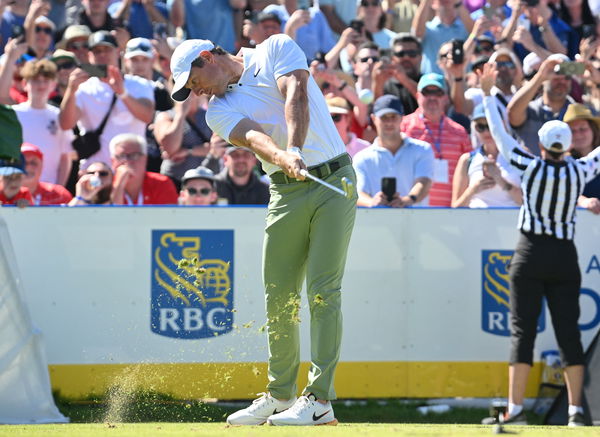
[[453, 141], [355, 144]]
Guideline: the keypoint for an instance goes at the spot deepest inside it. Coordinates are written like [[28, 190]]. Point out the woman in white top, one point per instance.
[[483, 178]]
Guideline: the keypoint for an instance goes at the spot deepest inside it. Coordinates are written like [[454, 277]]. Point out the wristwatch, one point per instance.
[[413, 198], [542, 29]]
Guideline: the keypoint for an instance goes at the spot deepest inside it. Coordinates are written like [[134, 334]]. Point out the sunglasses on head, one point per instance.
[[433, 92], [505, 64], [336, 117], [78, 45], [409, 53], [366, 4], [44, 29], [66, 66], [198, 192], [366, 59], [481, 127], [101, 173]]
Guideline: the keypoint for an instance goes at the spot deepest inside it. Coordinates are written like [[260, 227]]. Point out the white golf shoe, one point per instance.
[[306, 411], [259, 411]]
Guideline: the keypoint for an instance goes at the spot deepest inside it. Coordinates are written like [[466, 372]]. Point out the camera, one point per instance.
[[458, 53], [570, 68], [357, 25], [388, 187]]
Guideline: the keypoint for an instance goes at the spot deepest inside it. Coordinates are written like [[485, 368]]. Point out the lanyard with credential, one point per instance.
[[438, 143]]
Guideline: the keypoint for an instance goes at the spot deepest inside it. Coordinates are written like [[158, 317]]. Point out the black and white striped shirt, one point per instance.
[[550, 189]]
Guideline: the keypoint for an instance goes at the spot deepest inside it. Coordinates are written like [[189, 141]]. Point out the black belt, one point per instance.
[[321, 171]]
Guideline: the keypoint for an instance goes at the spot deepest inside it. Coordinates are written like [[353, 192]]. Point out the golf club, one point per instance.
[[346, 184]]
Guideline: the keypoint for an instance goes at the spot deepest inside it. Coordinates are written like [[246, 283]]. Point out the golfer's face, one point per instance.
[[208, 80]]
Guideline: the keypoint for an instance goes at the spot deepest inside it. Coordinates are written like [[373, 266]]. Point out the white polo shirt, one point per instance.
[[257, 97], [413, 160]]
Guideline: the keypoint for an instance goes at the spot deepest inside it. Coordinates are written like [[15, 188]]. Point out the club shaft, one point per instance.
[[306, 174]]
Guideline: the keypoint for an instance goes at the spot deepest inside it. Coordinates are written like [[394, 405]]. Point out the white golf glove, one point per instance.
[[296, 151]]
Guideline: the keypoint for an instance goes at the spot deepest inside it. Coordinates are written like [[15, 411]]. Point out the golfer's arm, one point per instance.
[[294, 88], [248, 133]]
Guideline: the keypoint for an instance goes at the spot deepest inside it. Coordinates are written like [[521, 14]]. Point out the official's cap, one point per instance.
[[555, 136], [181, 64]]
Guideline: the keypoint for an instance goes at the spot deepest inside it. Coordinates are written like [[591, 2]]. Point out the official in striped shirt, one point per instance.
[[545, 260]]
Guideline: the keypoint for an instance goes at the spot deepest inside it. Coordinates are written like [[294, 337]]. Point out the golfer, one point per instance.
[[545, 260], [264, 99]]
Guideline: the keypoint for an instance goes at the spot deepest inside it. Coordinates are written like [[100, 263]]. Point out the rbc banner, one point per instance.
[[192, 283], [495, 293]]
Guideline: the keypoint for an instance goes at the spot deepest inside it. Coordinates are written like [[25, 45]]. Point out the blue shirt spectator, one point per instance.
[[140, 24], [209, 19], [316, 36], [436, 34], [563, 31], [9, 21]]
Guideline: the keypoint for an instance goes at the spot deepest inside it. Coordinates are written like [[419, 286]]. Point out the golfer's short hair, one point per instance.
[[128, 138], [199, 62]]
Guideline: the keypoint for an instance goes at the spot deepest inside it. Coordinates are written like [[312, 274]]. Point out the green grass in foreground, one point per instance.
[[220, 429]]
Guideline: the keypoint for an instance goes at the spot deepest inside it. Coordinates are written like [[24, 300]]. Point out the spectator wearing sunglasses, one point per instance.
[[341, 116], [39, 30], [75, 40], [451, 21], [449, 140], [44, 193], [372, 14], [94, 187], [402, 74], [198, 187], [65, 64], [365, 59], [483, 177], [527, 113]]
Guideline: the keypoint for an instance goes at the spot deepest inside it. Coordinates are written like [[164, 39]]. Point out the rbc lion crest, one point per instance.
[[495, 293], [192, 283]]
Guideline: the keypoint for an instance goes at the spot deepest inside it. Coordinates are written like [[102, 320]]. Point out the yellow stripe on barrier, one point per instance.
[[244, 380]]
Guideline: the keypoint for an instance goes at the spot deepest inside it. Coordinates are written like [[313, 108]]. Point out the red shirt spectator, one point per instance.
[[157, 189], [51, 194], [22, 194]]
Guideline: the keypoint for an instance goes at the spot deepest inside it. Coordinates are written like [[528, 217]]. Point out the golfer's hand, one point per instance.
[[291, 163]]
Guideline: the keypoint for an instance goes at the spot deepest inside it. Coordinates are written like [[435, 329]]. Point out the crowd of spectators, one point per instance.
[[400, 79]]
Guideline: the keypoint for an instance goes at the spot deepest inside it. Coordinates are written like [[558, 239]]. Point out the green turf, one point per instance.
[[219, 430]]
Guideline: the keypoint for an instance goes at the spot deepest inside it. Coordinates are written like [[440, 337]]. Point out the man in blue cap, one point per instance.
[[449, 139], [393, 155]]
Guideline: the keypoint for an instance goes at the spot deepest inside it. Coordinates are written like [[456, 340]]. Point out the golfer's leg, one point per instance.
[[330, 230], [284, 257]]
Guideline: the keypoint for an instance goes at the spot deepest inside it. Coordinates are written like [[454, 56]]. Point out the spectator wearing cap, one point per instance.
[[13, 17], [266, 25], [207, 19], [133, 185], [88, 99], [65, 63], [198, 187], [39, 120], [401, 75], [551, 187], [75, 40], [393, 155], [43, 193], [39, 29], [140, 16], [527, 114], [483, 177], [449, 140], [451, 21], [94, 186], [341, 115], [309, 28], [585, 128], [238, 183], [12, 191]]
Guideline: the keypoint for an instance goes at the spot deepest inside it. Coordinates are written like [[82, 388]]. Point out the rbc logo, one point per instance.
[[192, 283], [495, 293]]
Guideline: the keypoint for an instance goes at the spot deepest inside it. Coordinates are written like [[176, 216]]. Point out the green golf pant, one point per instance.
[[307, 235]]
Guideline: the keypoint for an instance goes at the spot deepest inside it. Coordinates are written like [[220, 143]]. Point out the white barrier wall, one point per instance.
[[425, 299]]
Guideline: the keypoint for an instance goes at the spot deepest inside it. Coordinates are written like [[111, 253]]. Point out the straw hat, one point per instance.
[[577, 111]]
